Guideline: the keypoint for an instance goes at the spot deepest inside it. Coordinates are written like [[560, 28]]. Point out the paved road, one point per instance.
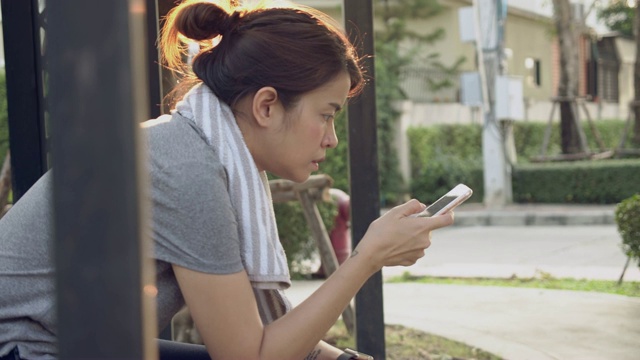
[[519, 323], [591, 252]]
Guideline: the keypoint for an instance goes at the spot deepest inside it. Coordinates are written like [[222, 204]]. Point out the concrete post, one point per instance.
[[490, 15]]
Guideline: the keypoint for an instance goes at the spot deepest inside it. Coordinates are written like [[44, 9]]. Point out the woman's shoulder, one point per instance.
[[172, 129], [174, 140]]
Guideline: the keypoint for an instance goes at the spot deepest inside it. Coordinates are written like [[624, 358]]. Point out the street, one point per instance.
[[591, 251]]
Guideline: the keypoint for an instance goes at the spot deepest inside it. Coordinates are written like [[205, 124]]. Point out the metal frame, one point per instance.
[[97, 185], [363, 167], [98, 96], [153, 59], [23, 24]]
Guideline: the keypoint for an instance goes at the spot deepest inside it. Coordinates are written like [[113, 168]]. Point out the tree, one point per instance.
[[568, 31], [398, 46], [618, 16]]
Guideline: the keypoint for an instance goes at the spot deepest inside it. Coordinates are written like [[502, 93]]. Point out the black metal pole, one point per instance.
[[25, 103], [156, 9], [363, 172], [98, 97], [153, 58]]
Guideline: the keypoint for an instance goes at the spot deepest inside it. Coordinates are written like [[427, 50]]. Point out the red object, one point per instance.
[[340, 234]]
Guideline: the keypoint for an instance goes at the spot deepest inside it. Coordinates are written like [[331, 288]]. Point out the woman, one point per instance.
[[268, 83]]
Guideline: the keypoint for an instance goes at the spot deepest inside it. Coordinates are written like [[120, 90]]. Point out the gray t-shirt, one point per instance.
[[194, 226]]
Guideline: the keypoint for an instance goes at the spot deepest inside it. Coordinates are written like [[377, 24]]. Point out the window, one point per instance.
[[534, 77]]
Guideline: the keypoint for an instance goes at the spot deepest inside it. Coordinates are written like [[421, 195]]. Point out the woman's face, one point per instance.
[[300, 144]]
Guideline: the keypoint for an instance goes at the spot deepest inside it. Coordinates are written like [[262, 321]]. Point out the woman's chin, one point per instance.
[[298, 178]]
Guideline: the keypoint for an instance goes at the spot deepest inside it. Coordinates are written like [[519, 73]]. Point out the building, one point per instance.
[[615, 63], [532, 55]]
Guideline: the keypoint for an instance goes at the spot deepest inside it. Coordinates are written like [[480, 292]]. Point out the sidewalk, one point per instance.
[[517, 323]]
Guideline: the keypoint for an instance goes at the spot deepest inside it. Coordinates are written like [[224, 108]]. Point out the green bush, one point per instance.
[[610, 132], [443, 155], [528, 139], [295, 234], [627, 215], [428, 143], [445, 171], [596, 182], [337, 161], [466, 140]]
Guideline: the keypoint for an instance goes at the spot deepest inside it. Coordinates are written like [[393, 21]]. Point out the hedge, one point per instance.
[[443, 155], [592, 182], [465, 141], [440, 174]]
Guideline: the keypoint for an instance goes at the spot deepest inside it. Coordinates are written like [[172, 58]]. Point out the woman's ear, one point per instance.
[[266, 106]]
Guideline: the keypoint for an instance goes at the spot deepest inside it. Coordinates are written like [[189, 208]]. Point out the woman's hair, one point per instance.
[[292, 49]]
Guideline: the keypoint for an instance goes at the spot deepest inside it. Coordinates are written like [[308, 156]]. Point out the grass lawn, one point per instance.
[[543, 281], [407, 344]]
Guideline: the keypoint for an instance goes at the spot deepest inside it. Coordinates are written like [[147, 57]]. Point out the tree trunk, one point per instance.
[[636, 80], [567, 30]]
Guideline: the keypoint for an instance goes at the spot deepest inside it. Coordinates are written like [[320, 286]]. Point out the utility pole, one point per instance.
[[490, 16]]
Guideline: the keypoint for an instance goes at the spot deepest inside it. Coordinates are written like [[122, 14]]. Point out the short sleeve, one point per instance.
[[194, 225]]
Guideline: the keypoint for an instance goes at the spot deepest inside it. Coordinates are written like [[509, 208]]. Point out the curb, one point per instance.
[[534, 218]]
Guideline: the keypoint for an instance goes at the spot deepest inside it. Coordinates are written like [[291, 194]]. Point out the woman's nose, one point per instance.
[[330, 138]]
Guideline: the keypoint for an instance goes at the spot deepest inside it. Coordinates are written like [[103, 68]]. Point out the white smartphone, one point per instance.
[[448, 201]]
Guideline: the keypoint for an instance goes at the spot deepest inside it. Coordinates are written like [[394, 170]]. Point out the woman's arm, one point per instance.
[[226, 314], [324, 351], [225, 310]]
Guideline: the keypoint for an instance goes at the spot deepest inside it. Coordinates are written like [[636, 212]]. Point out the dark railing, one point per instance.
[[98, 95], [24, 32], [98, 188], [363, 166]]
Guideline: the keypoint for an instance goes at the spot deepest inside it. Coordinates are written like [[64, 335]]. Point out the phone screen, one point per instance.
[[450, 200], [441, 203]]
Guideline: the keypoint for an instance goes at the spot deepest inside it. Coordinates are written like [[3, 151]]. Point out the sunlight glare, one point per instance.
[[150, 290]]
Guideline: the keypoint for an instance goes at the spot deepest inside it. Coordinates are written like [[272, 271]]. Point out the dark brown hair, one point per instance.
[[295, 50]]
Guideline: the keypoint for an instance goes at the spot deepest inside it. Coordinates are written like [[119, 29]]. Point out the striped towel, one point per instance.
[[262, 253]]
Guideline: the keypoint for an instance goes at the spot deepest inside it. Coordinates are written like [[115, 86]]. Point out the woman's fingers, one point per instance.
[[411, 207], [440, 221], [406, 259], [400, 239]]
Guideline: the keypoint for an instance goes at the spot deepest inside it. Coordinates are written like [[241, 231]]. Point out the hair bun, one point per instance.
[[205, 20], [232, 22]]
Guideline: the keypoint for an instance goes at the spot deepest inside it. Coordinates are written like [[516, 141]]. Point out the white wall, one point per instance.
[[425, 114]]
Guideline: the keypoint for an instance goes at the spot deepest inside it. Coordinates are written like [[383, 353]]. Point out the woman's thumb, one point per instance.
[[411, 207]]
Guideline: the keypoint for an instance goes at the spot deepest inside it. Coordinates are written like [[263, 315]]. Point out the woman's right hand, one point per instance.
[[396, 238]]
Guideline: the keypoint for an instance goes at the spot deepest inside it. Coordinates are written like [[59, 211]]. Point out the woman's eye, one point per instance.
[[327, 117]]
